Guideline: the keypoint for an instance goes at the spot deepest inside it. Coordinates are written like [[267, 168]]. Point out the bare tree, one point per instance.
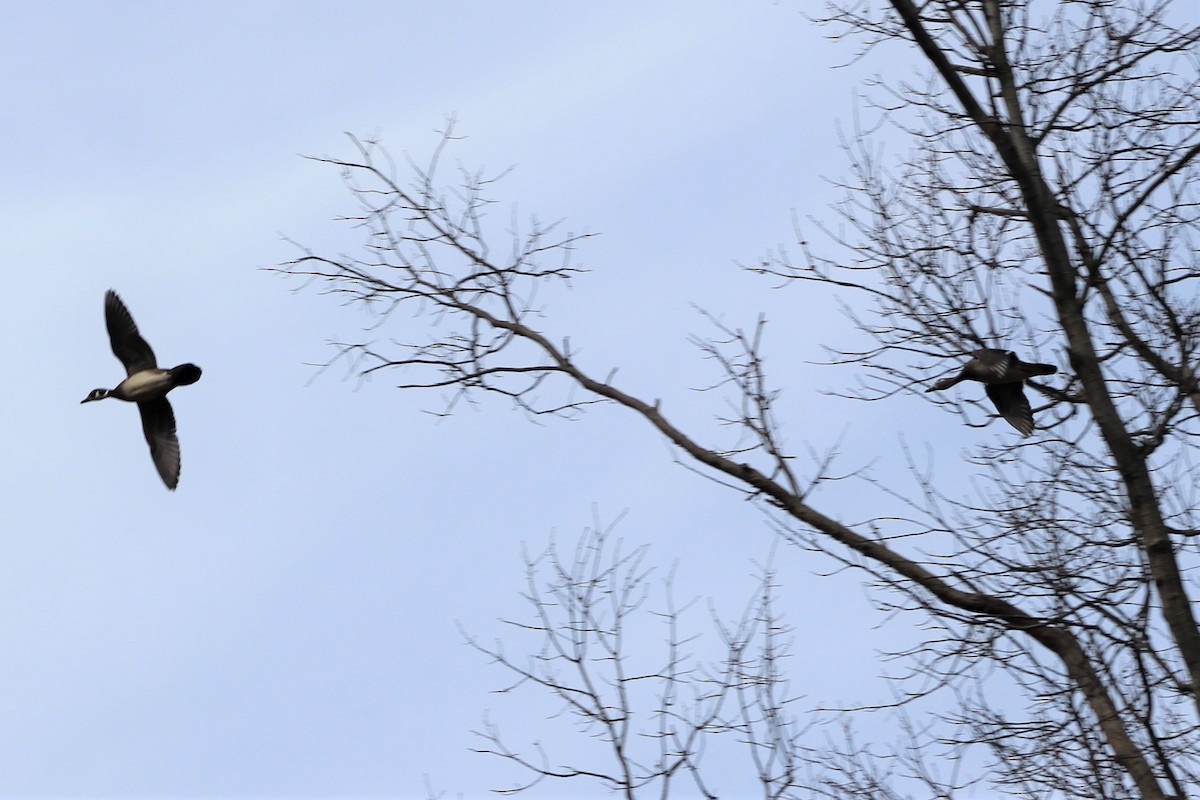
[[651, 713], [1048, 206]]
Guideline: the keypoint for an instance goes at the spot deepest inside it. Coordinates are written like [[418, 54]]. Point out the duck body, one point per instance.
[[1003, 376], [147, 385]]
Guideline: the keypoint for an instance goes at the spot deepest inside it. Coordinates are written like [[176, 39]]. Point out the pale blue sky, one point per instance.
[[284, 624]]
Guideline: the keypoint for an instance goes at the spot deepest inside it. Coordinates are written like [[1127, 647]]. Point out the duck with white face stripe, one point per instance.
[[146, 385]]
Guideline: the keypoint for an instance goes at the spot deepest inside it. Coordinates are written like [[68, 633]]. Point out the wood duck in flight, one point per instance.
[[146, 385], [1003, 376]]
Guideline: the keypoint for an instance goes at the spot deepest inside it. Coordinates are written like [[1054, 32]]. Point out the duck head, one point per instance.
[[96, 394]]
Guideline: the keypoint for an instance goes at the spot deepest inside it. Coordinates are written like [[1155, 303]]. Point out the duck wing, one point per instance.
[[158, 423], [1010, 401], [993, 364], [127, 344]]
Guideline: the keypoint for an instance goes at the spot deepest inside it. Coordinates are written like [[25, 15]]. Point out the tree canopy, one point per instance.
[[1046, 206]]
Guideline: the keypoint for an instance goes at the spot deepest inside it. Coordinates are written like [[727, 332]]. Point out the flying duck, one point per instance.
[[1003, 376], [146, 385]]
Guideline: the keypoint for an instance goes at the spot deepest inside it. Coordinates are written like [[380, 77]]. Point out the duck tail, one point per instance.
[[1041, 369], [185, 374]]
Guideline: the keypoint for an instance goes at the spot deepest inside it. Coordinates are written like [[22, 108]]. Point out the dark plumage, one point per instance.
[[146, 385], [1003, 376]]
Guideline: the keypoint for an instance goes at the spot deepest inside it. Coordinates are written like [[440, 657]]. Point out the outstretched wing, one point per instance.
[[127, 344], [1012, 404], [158, 423], [993, 364]]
